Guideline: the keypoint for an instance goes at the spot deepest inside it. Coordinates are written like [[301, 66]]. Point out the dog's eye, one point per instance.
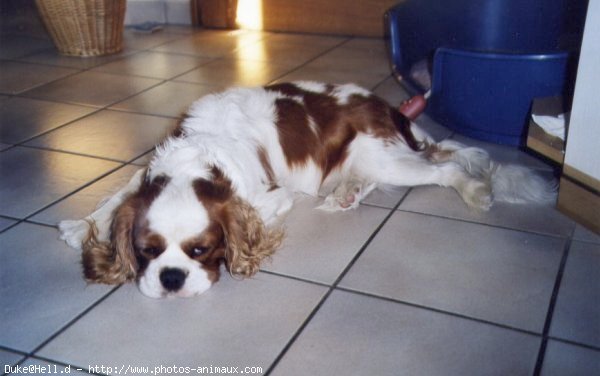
[[152, 251], [198, 251]]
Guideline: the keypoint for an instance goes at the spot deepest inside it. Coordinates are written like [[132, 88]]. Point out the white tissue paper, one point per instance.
[[554, 125]]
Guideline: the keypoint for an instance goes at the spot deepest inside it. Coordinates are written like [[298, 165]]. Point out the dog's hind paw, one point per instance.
[[74, 232], [478, 195]]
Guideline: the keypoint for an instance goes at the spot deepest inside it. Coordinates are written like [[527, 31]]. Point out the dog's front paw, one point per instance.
[[74, 232]]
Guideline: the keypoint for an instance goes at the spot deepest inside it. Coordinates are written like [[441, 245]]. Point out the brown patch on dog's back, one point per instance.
[[297, 139], [337, 125], [287, 88]]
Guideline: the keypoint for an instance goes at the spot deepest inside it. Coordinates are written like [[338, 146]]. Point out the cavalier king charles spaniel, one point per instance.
[[216, 186]]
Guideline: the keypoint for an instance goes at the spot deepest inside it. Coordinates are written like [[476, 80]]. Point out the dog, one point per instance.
[[215, 188]]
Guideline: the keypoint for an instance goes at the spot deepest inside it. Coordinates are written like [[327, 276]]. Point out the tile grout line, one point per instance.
[[295, 278], [332, 288], [73, 320], [440, 311], [325, 52], [50, 149], [97, 109], [28, 219], [91, 182], [551, 306], [472, 222], [95, 180], [575, 343], [32, 354]]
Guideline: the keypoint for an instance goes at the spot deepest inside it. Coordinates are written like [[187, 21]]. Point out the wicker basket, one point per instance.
[[84, 27]]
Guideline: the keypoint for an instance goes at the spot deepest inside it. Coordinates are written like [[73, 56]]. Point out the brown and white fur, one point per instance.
[[215, 188]]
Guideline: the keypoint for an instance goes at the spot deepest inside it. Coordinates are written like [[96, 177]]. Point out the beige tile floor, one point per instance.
[[411, 283]]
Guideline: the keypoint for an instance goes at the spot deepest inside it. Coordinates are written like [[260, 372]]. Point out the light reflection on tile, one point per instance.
[[167, 99], [235, 73], [32, 179], [109, 134]]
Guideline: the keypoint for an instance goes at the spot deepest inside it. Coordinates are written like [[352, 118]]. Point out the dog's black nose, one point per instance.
[[172, 278]]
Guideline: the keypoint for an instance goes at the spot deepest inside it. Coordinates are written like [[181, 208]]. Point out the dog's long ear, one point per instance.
[[248, 242], [113, 261]]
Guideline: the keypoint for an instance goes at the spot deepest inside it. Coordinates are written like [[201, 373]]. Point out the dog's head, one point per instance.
[[173, 233]]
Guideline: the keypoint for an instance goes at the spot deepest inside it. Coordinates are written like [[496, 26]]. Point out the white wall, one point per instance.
[[175, 12], [583, 140]]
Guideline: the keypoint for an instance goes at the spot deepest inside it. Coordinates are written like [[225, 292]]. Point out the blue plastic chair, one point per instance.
[[490, 58], [487, 95]]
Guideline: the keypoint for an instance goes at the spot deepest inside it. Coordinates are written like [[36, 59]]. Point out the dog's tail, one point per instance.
[[520, 185], [509, 183]]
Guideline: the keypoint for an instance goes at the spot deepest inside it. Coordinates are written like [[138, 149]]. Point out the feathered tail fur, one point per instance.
[[510, 183]]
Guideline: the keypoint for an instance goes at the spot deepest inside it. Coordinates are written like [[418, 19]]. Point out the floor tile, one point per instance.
[[143, 41], [84, 202], [308, 73], [23, 118], [445, 202], [17, 77], [303, 39], [392, 92], [183, 29], [109, 134], [433, 129], [53, 57], [212, 329], [211, 43], [17, 46], [577, 311], [6, 223], [348, 59], [143, 160], [374, 45], [492, 274], [108, 88], [231, 72], [153, 64], [385, 197], [32, 178], [167, 99], [319, 245], [563, 359], [583, 234], [358, 335], [34, 309], [279, 52], [9, 358], [365, 67]]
